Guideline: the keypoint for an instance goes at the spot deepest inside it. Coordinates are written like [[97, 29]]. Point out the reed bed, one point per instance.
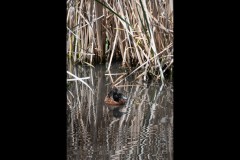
[[138, 33]]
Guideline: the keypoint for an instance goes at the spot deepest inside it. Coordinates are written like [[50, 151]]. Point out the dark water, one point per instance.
[[141, 129]]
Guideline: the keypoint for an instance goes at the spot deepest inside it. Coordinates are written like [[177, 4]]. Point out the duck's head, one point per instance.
[[113, 91], [119, 97]]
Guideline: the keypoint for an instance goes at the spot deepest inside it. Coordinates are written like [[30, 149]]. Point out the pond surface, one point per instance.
[[140, 129]]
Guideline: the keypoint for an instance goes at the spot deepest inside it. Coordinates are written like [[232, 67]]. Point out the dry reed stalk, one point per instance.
[[127, 85], [80, 79], [100, 38], [144, 28], [113, 49], [114, 74], [170, 45], [110, 75], [118, 79]]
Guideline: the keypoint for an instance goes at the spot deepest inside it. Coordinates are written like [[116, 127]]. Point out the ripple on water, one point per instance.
[[140, 129]]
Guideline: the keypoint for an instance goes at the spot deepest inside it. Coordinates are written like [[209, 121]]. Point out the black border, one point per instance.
[[34, 80]]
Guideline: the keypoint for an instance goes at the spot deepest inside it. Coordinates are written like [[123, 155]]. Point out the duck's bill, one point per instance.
[[124, 97]]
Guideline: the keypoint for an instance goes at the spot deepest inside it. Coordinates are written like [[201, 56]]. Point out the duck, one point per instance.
[[115, 98]]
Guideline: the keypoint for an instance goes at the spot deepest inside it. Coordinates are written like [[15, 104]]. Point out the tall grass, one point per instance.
[[139, 33]]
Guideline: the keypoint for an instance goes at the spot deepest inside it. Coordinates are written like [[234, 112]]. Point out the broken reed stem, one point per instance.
[[113, 49], [119, 78], [150, 59]]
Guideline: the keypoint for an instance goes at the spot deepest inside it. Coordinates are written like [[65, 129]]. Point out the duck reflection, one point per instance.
[[116, 110], [117, 113]]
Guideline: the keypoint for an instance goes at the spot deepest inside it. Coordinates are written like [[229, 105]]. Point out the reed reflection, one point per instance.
[[99, 130]]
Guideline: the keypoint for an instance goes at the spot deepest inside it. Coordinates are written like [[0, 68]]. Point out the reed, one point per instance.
[[139, 33]]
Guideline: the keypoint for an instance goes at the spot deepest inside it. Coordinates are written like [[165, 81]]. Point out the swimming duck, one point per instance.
[[115, 98]]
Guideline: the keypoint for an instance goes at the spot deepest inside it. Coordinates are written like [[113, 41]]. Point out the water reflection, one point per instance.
[[140, 129]]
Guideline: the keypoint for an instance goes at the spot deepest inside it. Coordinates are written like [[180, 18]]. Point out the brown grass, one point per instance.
[[139, 33]]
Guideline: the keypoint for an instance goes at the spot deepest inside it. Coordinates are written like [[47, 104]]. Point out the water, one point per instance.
[[140, 129]]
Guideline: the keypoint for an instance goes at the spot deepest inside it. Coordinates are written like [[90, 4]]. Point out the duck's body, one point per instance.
[[115, 98]]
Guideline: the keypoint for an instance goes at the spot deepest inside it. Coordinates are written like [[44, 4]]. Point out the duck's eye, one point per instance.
[[115, 97]]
